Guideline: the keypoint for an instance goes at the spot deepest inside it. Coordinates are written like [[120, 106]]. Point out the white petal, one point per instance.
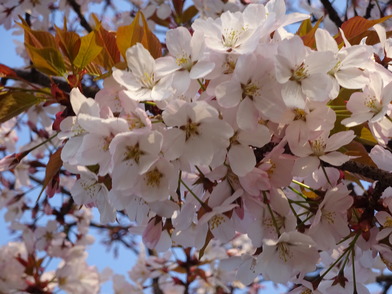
[[304, 166], [242, 159], [201, 69], [335, 158]]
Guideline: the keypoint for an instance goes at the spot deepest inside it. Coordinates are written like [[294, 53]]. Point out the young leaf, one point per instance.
[[110, 55], [47, 60], [13, 103], [304, 28], [37, 39], [89, 50], [150, 41], [189, 13], [129, 35], [355, 27], [5, 71], [309, 38], [69, 43], [52, 168]]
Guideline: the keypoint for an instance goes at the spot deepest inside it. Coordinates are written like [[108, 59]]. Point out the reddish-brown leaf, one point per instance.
[[309, 38], [355, 27], [69, 43], [5, 71], [52, 168], [110, 55]]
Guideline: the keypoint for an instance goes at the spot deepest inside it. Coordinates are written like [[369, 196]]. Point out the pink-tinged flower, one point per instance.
[[240, 154], [196, 132], [133, 154], [307, 124], [323, 148], [229, 33], [121, 286], [382, 129], [382, 157], [76, 276], [265, 225], [154, 237], [11, 161], [158, 182], [250, 84], [302, 73], [135, 207], [278, 166], [292, 254], [385, 220], [212, 8], [220, 201], [160, 7], [349, 63], [87, 190], [95, 145], [144, 81], [186, 60], [386, 198], [70, 127], [12, 272], [371, 104], [46, 235], [329, 225]]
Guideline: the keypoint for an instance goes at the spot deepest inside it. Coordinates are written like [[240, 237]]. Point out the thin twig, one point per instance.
[[83, 22], [333, 15]]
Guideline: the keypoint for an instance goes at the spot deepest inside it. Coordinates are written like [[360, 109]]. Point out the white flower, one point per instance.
[[144, 81], [186, 60], [229, 33], [302, 73], [330, 222], [196, 132], [293, 253], [133, 154], [382, 157], [371, 104], [88, 190], [349, 63], [323, 148]]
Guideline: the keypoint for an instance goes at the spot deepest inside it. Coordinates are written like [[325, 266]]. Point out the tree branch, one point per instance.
[[35, 77], [384, 178], [333, 15], [76, 7]]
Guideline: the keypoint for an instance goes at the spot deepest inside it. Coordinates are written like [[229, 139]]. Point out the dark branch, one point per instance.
[[76, 7], [333, 15], [384, 178], [35, 77], [369, 9]]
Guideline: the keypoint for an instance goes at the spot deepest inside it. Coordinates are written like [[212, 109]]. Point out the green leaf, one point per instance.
[[304, 28], [47, 60], [89, 50], [14, 103]]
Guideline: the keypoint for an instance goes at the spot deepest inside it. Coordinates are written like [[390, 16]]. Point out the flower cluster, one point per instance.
[[232, 132], [241, 145]]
